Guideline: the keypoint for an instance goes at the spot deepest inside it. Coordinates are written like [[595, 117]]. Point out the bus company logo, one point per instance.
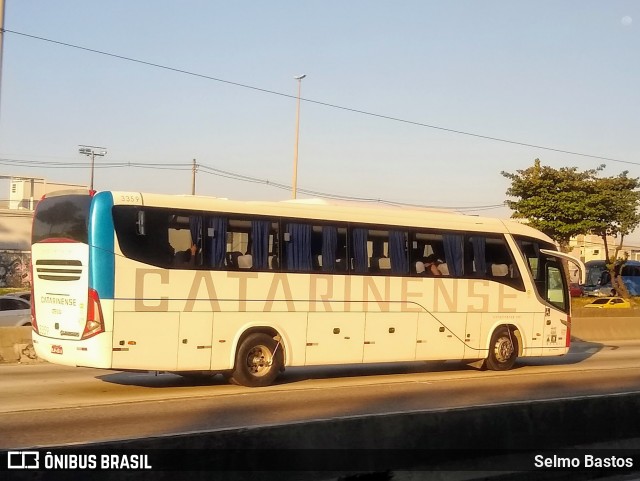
[[23, 460]]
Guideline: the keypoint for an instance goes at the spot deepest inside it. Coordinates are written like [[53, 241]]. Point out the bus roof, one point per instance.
[[320, 209]]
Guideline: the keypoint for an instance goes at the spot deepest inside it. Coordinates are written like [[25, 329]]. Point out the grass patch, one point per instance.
[[578, 302], [12, 290]]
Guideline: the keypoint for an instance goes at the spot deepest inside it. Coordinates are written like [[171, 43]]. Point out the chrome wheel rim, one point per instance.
[[259, 360], [503, 349]]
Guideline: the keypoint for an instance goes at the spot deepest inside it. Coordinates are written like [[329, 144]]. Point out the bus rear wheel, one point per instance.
[[503, 350], [258, 361]]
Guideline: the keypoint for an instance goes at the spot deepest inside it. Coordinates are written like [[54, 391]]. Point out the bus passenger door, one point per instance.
[[334, 337], [555, 330], [194, 341]]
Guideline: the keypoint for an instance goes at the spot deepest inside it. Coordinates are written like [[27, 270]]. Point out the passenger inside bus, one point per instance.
[[431, 264]]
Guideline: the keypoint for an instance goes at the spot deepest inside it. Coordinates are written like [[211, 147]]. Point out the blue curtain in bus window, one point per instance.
[[195, 226], [329, 248], [298, 248], [397, 252], [360, 261], [260, 243], [218, 243], [454, 253], [479, 255]]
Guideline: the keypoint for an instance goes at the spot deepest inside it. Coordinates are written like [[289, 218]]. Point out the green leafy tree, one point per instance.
[[566, 202], [618, 199], [559, 202]]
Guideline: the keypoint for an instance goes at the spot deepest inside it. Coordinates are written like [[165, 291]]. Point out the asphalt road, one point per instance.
[[43, 404]]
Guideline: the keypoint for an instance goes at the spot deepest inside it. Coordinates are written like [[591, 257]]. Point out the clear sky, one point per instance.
[[558, 74]]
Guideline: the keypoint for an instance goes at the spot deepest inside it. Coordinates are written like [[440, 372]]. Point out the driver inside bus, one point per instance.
[[186, 257]]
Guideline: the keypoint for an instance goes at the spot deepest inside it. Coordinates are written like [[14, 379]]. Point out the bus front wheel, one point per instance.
[[258, 361], [503, 350]]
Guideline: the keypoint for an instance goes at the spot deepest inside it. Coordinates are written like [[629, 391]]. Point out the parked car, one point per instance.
[[610, 303], [575, 290], [14, 311]]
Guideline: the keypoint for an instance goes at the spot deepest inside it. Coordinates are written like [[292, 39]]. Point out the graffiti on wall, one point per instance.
[[14, 269]]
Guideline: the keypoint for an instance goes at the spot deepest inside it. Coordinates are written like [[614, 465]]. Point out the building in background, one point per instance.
[[16, 217], [591, 248]]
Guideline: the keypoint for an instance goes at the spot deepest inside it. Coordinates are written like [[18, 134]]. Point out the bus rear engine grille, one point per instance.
[[59, 270]]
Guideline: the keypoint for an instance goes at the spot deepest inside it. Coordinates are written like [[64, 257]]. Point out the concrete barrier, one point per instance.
[[473, 438], [612, 328], [16, 345], [522, 425]]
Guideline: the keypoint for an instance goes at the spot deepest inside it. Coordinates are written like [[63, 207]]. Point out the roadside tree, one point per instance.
[[562, 203], [567, 202]]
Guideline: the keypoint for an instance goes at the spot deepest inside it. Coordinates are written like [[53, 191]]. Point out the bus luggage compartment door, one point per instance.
[[334, 338], [195, 341], [145, 340]]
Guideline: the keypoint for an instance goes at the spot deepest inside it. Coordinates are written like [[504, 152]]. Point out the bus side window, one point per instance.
[[359, 262], [237, 241], [341, 264], [157, 248], [261, 245], [297, 247], [317, 248], [501, 265], [428, 245]]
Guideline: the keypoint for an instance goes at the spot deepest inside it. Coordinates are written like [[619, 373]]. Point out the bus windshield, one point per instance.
[[62, 218], [548, 273]]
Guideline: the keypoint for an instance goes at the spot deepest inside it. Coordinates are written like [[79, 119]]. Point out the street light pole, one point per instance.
[[294, 183], [92, 151], [1, 42]]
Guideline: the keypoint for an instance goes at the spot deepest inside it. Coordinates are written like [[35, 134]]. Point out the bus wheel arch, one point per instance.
[[504, 348], [259, 357]]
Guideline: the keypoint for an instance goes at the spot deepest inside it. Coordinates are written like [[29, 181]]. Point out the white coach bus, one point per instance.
[[188, 284]]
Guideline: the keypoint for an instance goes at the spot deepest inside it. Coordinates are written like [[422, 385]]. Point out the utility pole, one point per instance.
[[194, 169]]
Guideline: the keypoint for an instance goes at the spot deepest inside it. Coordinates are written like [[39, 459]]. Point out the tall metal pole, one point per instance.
[[93, 161], [1, 45], [294, 183], [90, 151]]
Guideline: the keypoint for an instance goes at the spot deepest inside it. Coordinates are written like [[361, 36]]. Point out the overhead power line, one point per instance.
[[101, 165], [318, 102], [206, 169]]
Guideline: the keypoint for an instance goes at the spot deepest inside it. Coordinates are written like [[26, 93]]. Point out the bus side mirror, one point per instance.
[[140, 226]]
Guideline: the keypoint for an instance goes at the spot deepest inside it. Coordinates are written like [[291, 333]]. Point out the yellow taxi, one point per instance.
[[610, 303]]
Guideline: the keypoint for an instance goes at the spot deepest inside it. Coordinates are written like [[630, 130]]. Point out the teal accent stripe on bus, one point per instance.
[[101, 246]]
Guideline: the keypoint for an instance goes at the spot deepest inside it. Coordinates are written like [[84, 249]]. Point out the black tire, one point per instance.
[[259, 360], [503, 350]]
